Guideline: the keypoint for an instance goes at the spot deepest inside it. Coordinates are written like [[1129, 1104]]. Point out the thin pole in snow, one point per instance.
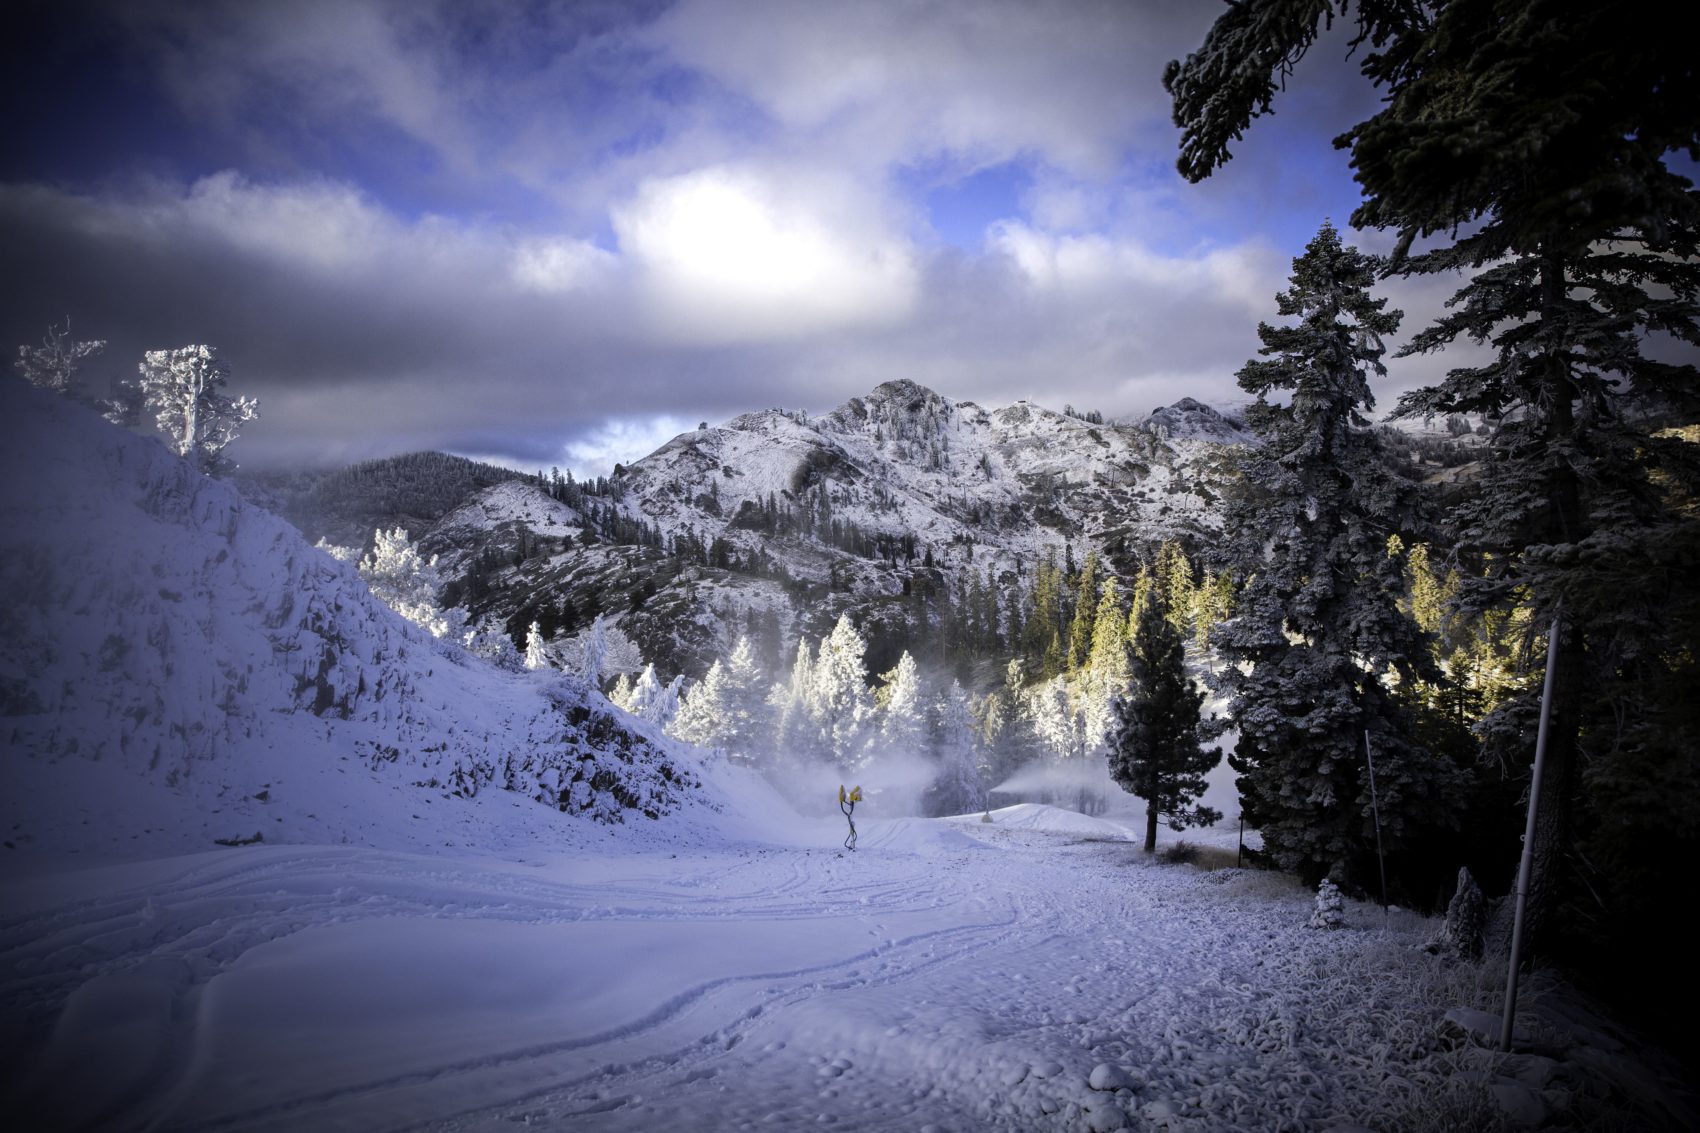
[[1375, 809], [1526, 866]]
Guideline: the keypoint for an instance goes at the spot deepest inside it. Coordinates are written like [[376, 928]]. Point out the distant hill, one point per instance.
[[346, 505]]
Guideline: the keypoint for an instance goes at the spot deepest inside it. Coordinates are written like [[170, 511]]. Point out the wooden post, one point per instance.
[[1527, 865], [1375, 809]]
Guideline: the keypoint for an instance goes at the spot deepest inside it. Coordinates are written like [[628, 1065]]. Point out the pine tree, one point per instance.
[[408, 584], [536, 653], [1085, 613], [53, 365], [1319, 633], [185, 389], [593, 653], [838, 701], [1157, 752], [903, 722], [1526, 142]]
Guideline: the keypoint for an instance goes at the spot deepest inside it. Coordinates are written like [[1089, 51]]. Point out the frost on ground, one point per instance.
[[1026, 973]]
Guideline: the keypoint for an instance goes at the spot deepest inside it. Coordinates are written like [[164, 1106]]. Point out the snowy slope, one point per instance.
[[952, 975], [178, 666]]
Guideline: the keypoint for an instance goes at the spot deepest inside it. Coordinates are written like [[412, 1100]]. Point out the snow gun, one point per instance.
[[847, 801]]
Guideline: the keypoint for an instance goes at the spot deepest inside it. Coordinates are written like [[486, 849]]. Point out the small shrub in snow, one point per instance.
[[1330, 909]]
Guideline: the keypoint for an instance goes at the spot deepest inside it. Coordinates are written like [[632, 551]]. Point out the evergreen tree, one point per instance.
[[185, 389], [1526, 141], [1085, 614], [408, 584], [838, 701], [1157, 753], [1319, 634], [536, 655], [593, 653], [903, 722]]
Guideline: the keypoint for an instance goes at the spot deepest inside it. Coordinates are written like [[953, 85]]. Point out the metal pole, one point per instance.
[[1526, 866], [1375, 809]]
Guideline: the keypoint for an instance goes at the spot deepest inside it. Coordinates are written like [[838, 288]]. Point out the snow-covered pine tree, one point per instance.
[[53, 365], [902, 716], [408, 584], [794, 737], [645, 695], [1157, 752], [594, 652], [838, 700], [957, 789], [185, 390], [705, 714], [620, 696], [536, 651], [1319, 630]]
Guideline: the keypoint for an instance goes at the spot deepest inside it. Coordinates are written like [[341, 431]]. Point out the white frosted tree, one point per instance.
[[704, 715], [408, 584], [620, 696], [903, 723], [645, 695], [185, 390], [720, 710], [794, 737], [536, 651], [53, 365], [958, 788], [839, 703], [593, 652], [665, 706]]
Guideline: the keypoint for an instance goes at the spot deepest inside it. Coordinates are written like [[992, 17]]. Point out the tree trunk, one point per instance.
[[1151, 828]]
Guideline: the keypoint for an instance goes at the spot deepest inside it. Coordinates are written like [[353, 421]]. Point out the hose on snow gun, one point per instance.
[[847, 801]]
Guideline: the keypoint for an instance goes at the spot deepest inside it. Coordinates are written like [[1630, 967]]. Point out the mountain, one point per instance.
[[345, 505], [178, 666], [777, 521]]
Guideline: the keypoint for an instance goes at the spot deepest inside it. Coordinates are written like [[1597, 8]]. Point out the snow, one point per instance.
[[954, 973], [394, 954]]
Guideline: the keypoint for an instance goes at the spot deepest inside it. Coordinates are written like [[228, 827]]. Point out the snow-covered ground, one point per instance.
[[950, 974]]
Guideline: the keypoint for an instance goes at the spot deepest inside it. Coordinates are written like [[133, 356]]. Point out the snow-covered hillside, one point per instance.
[[178, 666]]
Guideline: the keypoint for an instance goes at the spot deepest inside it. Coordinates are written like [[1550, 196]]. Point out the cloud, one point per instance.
[[727, 255]]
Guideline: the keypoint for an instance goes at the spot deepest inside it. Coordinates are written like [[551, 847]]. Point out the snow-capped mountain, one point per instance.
[[179, 666], [899, 491]]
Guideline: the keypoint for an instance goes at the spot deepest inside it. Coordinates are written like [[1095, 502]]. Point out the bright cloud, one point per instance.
[[727, 255]]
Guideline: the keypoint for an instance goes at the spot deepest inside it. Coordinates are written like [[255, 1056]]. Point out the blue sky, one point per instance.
[[554, 233]]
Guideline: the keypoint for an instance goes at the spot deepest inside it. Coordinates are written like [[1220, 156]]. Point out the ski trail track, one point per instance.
[[946, 976]]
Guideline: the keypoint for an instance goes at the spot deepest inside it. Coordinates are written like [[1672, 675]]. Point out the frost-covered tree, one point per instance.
[[408, 584], [795, 739], [903, 720], [593, 652], [722, 710], [646, 694], [1158, 753], [185, 390], [1320, 635], [705, 713], [536, 649], [53, 365], [957, 789], [620, 696], [838, 700]]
